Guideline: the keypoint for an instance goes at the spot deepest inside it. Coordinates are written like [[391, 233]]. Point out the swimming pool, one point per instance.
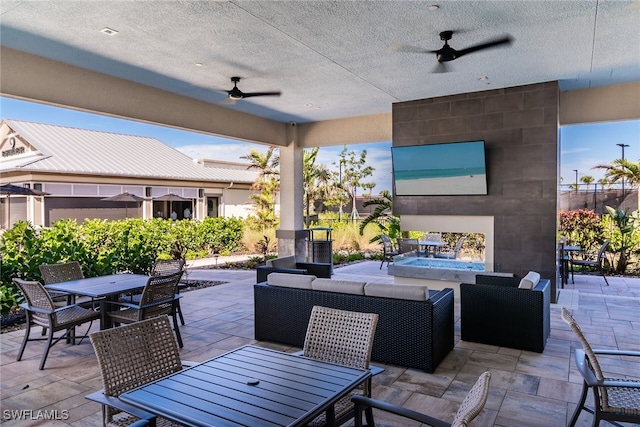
[[447, 264], [413, 267]]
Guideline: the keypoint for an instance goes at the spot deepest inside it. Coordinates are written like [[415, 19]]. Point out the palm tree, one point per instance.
[[622, 169], [588, 180], [316, 180], [382, 216], [267, 183]]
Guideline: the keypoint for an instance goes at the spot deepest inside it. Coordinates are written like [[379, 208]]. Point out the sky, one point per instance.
[[581, 146]]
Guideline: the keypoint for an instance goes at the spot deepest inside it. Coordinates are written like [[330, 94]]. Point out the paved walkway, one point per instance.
[[527, 389]]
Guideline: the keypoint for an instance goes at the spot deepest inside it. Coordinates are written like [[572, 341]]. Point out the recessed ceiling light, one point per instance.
[[109, 31], [482, 78], [198, 64], [434, 7]]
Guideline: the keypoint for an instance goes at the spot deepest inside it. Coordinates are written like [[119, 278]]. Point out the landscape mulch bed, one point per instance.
[[17, 318]]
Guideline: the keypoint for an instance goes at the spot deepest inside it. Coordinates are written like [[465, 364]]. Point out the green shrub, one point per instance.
[[106, 247]]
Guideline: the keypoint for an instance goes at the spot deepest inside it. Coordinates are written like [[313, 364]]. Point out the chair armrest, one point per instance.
[[362, 402], [38, 310], [617, 352], [591, 380], [114, 402], [156, 303]]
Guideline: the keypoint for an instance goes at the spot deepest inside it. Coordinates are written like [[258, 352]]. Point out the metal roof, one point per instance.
[[69, 150], [331, 59]]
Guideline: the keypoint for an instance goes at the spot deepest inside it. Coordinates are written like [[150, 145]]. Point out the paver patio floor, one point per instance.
[[527, 389]]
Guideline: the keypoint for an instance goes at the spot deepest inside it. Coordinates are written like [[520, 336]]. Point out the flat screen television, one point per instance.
[[456, 168]]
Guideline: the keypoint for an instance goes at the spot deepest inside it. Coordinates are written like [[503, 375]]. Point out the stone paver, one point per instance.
[[527, 389]]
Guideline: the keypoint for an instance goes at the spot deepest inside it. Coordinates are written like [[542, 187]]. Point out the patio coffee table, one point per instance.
[[249, 386], [105, 288]]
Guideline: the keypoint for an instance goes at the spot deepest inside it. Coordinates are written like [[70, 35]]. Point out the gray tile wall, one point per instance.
[[520, 128]]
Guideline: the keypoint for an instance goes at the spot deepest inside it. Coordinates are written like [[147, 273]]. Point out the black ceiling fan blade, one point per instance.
[[487, 45], [250, 94]]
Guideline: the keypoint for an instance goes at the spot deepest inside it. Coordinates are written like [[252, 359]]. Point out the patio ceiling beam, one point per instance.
[[34, 78]]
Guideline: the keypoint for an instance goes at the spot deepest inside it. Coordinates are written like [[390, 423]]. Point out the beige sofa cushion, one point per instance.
[[302, 281], [529, 281], [341, 286], [408, 292], [284, 262]]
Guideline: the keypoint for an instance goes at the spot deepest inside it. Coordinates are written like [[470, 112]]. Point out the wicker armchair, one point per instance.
[[470, 407], [158, 298], [389, 251], [131, 356], [42, 311], [169, 266], [344, 338], [56, 273], [495, 311], [615, 399]]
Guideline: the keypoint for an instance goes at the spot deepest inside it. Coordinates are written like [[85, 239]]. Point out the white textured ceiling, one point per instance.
[[331, 59]]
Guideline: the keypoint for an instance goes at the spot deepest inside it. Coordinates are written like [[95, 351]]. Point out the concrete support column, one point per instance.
[[291, 235]]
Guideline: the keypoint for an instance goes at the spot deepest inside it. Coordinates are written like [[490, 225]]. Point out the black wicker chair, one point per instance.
[[42, 311], [494, 311], [290, 265]]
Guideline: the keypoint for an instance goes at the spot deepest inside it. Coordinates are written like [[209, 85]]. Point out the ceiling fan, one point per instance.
[[446, 53], [236, 94]]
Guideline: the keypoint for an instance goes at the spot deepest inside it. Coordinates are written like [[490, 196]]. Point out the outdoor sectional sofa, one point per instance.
[[415, 326], [506, 311]]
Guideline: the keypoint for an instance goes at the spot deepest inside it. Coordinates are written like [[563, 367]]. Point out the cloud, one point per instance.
[[231, 152]]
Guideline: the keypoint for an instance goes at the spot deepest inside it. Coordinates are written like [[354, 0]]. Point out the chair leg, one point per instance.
[[47, 348], [605, 277], [368, 413], [580, 406], [179, 310], [25, 339], [177, 330]]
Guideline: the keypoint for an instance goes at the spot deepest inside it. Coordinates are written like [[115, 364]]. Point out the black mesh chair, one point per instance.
[[388, 250], [594, 261], [42, 311], [159, 298]]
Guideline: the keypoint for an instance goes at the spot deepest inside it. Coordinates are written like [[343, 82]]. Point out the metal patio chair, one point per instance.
[[455, 252], [470, 407], [56, 273], [388, 250], [42, 311], [159, 297], [169, 266], [615, 399], [131, 356], [409, 245], [344, 338], [595, 261]]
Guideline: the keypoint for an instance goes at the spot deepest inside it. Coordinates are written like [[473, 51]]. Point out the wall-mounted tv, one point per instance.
[[456, 168]]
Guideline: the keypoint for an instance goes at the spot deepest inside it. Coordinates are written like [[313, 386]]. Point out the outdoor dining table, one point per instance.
[[249, 386], [431, 246], [105, 288]]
